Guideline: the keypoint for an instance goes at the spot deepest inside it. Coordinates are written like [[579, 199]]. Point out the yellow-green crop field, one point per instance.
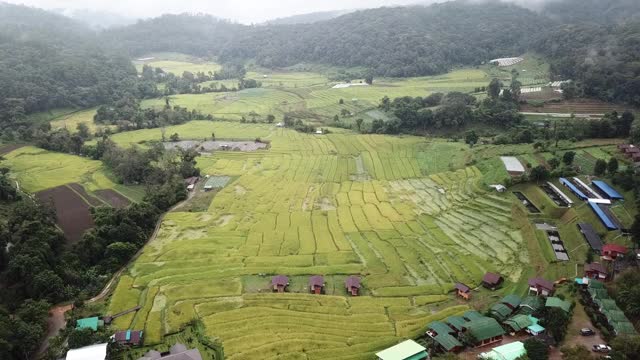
[[404, 213]]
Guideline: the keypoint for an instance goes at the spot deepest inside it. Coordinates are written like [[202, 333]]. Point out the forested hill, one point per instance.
[[49, 61], [605, 12], [403, 41]]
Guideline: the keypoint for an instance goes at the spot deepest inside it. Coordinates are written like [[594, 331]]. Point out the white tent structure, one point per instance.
[[93, 352]]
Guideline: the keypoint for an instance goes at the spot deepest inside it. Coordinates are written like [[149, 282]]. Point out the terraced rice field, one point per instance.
[[336, 205]]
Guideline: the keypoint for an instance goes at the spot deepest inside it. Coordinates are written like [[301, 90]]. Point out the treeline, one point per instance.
[[191, 83], [128, 115], [454, 110], [401, 41]]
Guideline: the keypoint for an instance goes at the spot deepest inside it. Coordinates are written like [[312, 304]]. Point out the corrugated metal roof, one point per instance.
[[402, 351], [591, 236], [519, 322], [88, 323], [510, 351], [93, 352], [608, 190], [603, 217], [512, 164], [559, 303], [485, 328], [447, 341]]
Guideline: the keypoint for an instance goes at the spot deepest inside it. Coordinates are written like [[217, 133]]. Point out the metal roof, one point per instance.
[[512, 299], [88, 323], [440, 328], [447, 341], [603, 217], [512, 164], [456, 321], [559, 303], [519, 322], [573, 188], [93, 352], [485, 328], [402, 351], [500, 311], [510, 351], [591, 236], [608, 190]]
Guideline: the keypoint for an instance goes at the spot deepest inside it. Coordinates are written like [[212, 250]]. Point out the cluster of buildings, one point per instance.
[[632, 152], [599, 300], [280, 284]]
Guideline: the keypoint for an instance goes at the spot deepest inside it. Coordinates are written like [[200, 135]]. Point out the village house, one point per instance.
[[463, 291], [612, 251], [485, 331], [596, 271], [316, 284], [406, 350], [442, 335], [279, 283], [541, 287], [492, 281], [128, 337], [352, 283]]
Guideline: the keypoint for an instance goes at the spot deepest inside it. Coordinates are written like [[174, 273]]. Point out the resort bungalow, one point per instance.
[[280, 283], [554, 302], [472, 315], [492, 281], [456, 323], [92, 323], [463, 291], [512, 301], [406, 350], [353, 285], [530, 305], [316, 284], [92, 352], [442, 335], [485, 331], [510, 351], [612, 251], [518, 323], [596, 271], [540, 286], [176, 352], [500, 311], [128, 337]]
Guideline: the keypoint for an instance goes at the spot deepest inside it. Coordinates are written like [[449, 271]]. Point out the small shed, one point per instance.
[[596, 271], [128, 337], [406, 350], [612, 251], [463, 291], [492, 281], [540, 286], [279, 283], [352, 284], [92, 323], [316, 284]]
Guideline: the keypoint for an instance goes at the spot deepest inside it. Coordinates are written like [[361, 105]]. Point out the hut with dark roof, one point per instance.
[[492, 281], [280, 283], [540, 286], [128, 337], [463, 291], [316, 284], [352, 283], [596, 271]]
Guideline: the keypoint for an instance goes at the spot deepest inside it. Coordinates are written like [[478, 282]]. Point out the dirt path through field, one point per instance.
[[57, 322]]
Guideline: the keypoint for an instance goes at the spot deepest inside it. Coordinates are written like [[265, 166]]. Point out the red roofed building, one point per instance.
[[612, 251], [128, 337], [492, 281], [631, 150], [353, 285], [463, 291], [541, 286], [596, 271], [280, 283], [316, 284]]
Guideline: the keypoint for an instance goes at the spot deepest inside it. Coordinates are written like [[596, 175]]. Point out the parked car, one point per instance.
[[587, 332], [601, 348]]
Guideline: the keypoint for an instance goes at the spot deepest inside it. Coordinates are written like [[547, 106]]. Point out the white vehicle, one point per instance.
[[601, 348]]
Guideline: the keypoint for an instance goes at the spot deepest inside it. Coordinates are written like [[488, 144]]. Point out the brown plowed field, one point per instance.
[[89, 198], [113, 198], [72, 211], [575, 106]]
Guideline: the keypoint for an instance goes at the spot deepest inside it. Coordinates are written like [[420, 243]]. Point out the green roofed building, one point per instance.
[[555, 302], [439, 328], [606, 304], [595, 284], [92, 323], [598, 294], [472, 315], [448, 342], [614, 316], [485, 331], [518, 322], [513, 301], [624, 328], [510, 351], [456, 322], [500, 311], [530, 305], [406, 350]]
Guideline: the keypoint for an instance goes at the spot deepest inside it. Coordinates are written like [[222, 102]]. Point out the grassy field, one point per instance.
[[178, 63]]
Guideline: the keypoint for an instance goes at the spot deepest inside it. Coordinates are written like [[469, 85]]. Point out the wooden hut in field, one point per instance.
[[352, 283], [540, 286], [280, 283], [492, 281], [463, 291], [316, 284]]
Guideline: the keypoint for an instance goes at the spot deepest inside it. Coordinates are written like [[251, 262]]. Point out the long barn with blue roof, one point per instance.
[[607, 190], [574, 189]]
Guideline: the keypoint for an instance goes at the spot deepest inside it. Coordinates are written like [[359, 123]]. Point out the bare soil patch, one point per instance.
[[579, 106], [72, 211], [82, 192], [113, 198], [5, 149]]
